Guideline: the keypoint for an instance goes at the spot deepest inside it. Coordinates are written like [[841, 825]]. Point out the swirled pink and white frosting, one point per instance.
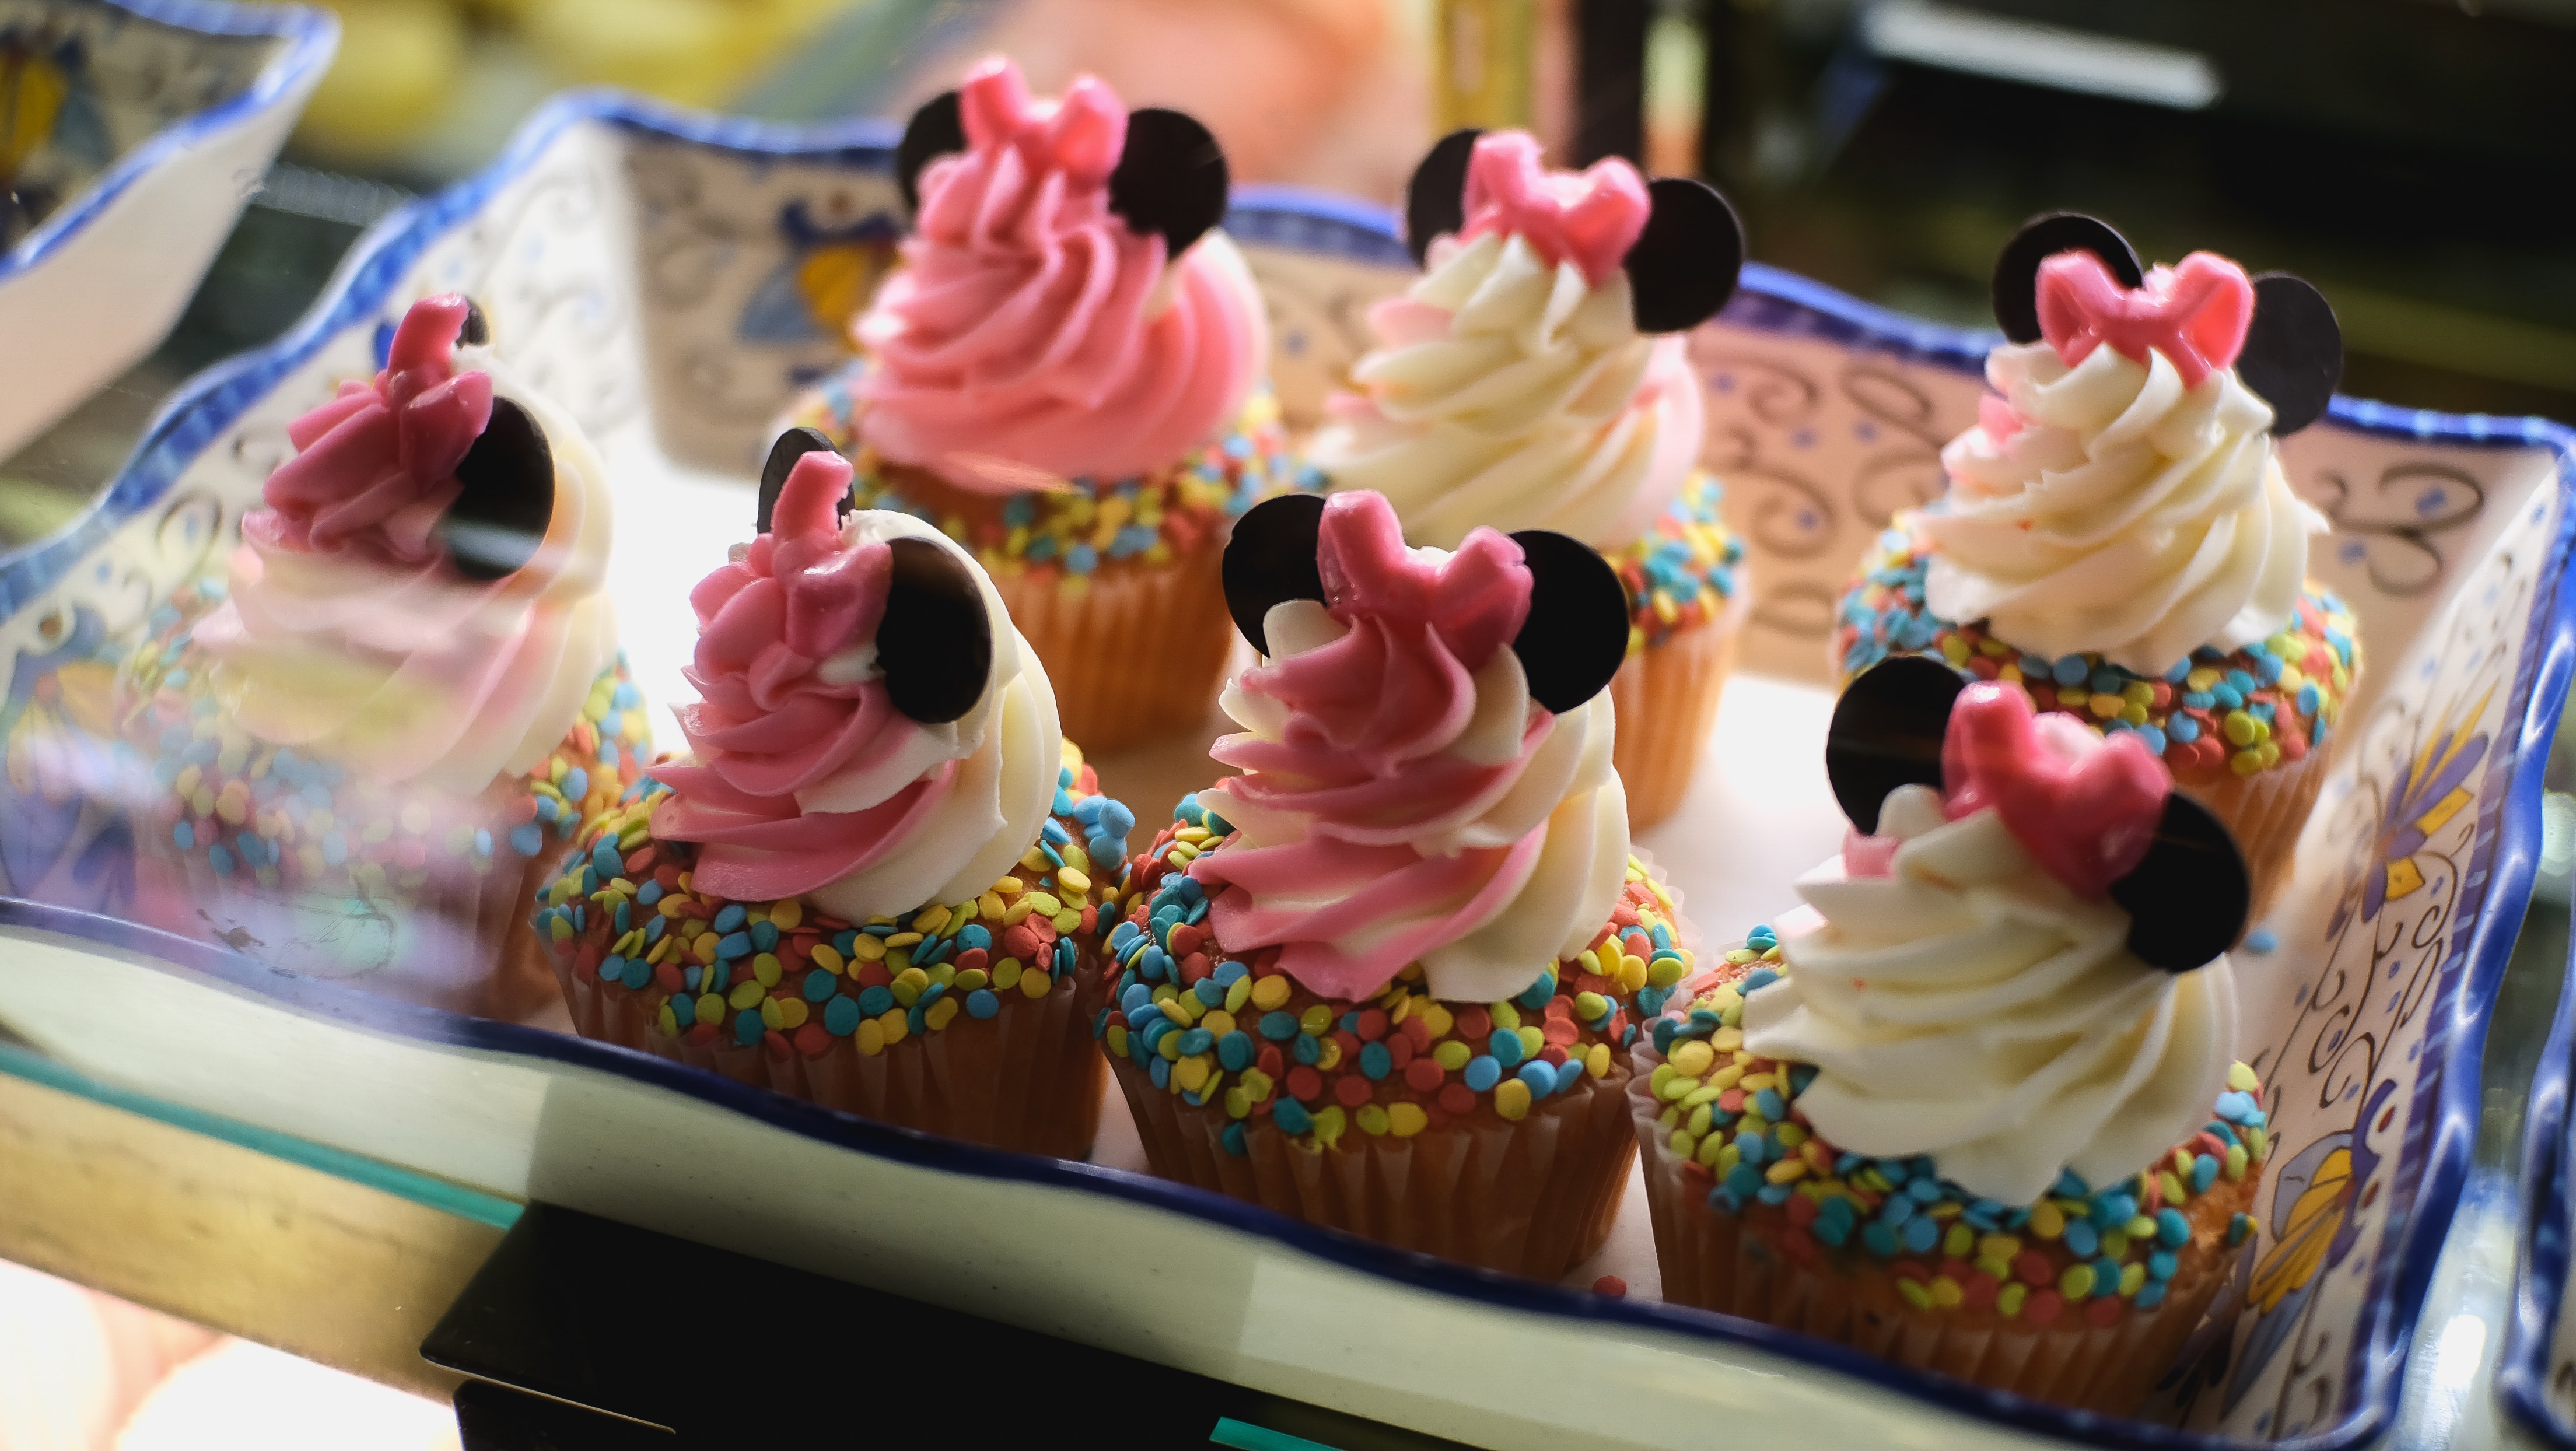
[[2121, 492], [1403, 799], [1509, 386], [806, 781], [1032, 336], [346, 630]]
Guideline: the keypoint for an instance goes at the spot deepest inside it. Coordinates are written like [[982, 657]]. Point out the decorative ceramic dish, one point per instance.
[[648, 270], [134, 132]]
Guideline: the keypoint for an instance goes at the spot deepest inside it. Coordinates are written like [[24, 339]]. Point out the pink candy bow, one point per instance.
[[2088, 817], [2195, 314], [1475, 600], [1590, 219], [381, 457], [797, 595], [1081, 135]]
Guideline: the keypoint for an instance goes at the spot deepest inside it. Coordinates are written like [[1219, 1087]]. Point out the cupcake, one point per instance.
[[878, 880], [2118, 538], [1384, 980], [1067, 374], [1536, 377], [1971, 1108], [368, 741]]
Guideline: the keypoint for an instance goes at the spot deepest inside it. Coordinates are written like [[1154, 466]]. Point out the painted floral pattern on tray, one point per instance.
[[642, 279], [82, 82]]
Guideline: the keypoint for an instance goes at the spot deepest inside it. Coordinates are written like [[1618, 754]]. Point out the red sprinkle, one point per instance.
[[1304, 1083], [1457, 1098], [2042, 1307], [1423, 1076], [2106, 1310], [1352, 1089], [1610, 1285]]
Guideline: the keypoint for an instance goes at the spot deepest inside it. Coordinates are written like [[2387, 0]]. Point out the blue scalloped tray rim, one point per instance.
[[312, 36], [1769, 299]]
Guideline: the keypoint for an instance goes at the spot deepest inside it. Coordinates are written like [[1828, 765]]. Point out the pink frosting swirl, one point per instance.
[[346, 628], [778, 715], [1032, 335], [1400, 787]]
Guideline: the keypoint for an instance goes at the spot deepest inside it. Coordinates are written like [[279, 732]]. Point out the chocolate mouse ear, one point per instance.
[[1576, 635], [476, 331], [2188, 900], [937, 129], [1887, 731], [935, 643], [1271, 560], [1171, 178], [1684, 265], [2293, 354], [1436, 199], [494, 527], [2016, 282], [792, 445]]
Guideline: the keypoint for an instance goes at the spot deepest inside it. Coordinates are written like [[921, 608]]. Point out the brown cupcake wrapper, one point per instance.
[[1026, 1079], [1135, 656], [461, 941], [1730, 1263], [1666, 696], [2266, 812], [1533, 1197]]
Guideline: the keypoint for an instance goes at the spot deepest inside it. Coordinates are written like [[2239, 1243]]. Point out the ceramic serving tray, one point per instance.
[[131, 133], [652, 271]]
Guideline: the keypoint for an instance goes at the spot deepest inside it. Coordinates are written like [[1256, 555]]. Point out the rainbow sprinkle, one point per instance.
[[625, 915], [1087, 526], [2210, 715], [1733, 1119], [1683, 571], [275, 816], [1212, 1028]]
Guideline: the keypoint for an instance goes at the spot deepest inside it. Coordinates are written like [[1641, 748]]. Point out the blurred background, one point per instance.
[[2414, 158]]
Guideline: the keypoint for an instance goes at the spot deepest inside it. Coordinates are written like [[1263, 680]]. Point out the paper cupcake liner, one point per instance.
[[1731, 1263], [1533, 1197], [1026, 1079], [1666, 696], [1137, 654], [2266, 812], [460, 941]]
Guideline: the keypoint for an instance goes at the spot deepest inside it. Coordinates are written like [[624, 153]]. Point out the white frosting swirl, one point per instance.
[[1507, 392], [1969, 1007], [414, 672], [2133, 517]]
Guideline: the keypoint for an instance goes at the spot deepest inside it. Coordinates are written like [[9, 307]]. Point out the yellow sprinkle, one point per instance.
[[2076, 1283], [787, 914], [711, 1009], [1191, 1073], [872, 1041], [1073, 881], [1692, 1058], [827, 958], [2047, 1220], [895, 1025], [1597, 1061], [940, 1013], [2242, 1079], [1406, 1119], [1787, 1171], [1512, 1099], [746, 994], [765, 967], [869, 948], [1268, 994]]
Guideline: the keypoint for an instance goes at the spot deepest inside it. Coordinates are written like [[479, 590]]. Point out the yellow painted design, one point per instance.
[[2314, 1217]]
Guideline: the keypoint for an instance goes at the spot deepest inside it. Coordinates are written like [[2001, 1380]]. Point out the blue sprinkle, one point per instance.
[[2150, 1295], [747, 1028], [1744, 1180], [1569, 1073], [2070, 671], [1208, 993], [2204, 1172], [1538, 1074], [2183, 728], [1920, 1234], [1880, 1237], [1235, 1051], [982, 1004], [821, 987], [2082, 1239], [220, 859], [1306, 1048], [2153, 737], [1758, 979], [1482, 1073], [2233, 1105], [1278, 1027], [638, 973], [527, 838], [1196, 1040], [653, 929], [1754, 1148], [185, 835], [690, 975], [1156, 1068], [1229, 972], [576, 784], [1896, 1209], [1291, 1116], [2172, 1229], [684, 1010], [2261, 940], [2113, 1210], [1232, 1138], [1768, 1104], [1506, 1047], [648, 894], [1376, 1062], [733, 945], [730, 918], [2162, 1264]]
